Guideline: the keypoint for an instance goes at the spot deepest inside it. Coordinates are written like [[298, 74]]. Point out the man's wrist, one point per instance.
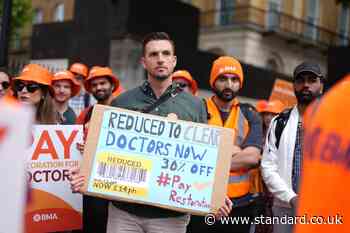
[[236, 150], [293, 201]]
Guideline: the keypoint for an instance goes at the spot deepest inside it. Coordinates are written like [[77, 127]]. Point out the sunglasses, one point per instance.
[[5, 85], [31, 87], [182, 85]]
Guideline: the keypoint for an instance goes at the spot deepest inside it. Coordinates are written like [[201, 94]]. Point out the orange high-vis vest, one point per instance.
[[325, 184], [239, 181]]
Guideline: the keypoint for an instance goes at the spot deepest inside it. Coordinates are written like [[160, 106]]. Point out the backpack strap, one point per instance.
[[281, 122], [206, 109], [245, 108], [174, 90]]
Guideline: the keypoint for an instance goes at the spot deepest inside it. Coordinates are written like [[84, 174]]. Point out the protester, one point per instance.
[[326, 175], [101, 82], [33, 87], [82, 100], [159, 61], [268, 110], [185, 81], [282, 157], [226, 79], [65, 87]]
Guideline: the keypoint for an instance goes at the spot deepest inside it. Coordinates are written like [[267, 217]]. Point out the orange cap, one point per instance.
[[36, 73], [261, 105], [79, 68], [67, 75], [184, 74], [97, 72], [225, 65], [273, 106]]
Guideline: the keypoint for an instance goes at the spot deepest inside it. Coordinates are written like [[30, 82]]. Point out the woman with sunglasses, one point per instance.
[[4, 84], [33, 87]]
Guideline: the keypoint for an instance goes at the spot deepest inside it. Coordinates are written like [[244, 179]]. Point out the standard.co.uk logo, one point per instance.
[[45, 217], [227, 69], [337, 219]]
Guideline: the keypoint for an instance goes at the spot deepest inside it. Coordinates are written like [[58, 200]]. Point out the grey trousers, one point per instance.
[[120, 221], [281, 212]]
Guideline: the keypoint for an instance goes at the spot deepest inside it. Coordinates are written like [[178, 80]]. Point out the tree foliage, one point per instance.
[[21, 14]]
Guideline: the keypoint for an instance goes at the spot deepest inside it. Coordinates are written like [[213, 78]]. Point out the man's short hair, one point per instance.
[[156, 36]]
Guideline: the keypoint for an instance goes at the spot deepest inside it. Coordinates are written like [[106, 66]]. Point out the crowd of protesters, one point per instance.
[[266, 166]]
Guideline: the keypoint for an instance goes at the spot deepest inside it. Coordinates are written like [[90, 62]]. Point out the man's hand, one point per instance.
[[236, 150], [80, 147], [247, 158], [225, 209], [76, 180], [293, 202]]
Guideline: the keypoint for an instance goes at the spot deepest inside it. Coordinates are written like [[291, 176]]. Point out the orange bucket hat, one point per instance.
[[273, 106], [184, 74], [261, 105], [119, 90], [67, 75], [226, 65], [97, 72], [36, 73], [79, 68]]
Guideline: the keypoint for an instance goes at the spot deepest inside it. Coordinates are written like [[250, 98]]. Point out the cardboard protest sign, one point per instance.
[[15, 125], [284, 92], [53, 206], [159, 161]]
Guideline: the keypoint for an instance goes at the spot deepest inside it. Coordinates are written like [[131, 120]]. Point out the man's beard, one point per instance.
[[161, 77], [225, 95], [305, 98], [102, 96]]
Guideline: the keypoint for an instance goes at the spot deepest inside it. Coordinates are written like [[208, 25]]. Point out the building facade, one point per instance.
[[52, 11], [273, 34], [44, 11]]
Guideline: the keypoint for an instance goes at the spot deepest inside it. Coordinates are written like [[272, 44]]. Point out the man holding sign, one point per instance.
[[156, 96], [159, 60]]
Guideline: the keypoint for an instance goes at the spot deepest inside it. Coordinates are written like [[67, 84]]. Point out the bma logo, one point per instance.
[[227, 69], [45, 217]]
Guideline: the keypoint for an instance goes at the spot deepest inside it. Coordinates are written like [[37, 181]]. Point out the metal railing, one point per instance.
[[290, 27]]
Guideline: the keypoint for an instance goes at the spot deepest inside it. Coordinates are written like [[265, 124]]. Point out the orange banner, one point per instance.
[[53, 207], [48, 212]]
